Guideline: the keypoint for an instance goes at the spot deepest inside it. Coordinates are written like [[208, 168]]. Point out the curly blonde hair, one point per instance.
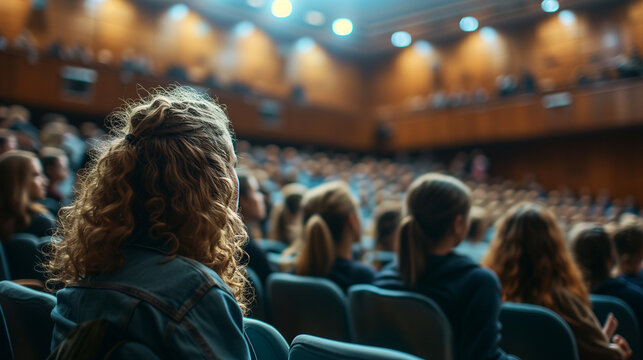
[[168, 170]]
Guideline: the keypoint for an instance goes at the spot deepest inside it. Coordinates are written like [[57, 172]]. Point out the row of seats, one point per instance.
[[21, 257], [415, 324], [26, 329]]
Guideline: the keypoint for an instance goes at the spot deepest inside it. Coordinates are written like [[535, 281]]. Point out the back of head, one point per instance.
[[433, 203], [628, 241], [285, 216], [325, 211], [386, 220], [167, 174], [15, 201], [592, 249], [530, 257], [477, 224]]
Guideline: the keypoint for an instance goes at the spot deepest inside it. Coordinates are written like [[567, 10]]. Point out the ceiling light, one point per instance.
[[468, 23], [178, 12], [401, 39], [567, 17], [550, 6], [423, 47], [281, 8], [315, 18], [342, 27]]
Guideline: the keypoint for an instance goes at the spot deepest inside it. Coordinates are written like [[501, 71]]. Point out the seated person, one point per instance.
[[56, 166], [152, 240], [286, 217], [331, 227], [22, 185], [253, 210], [385, 223], [534, 265], [474, 245], [628, 241], [592, 249], [437, 208]]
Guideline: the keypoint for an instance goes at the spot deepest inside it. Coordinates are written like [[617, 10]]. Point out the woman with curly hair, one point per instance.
[[534, 265], [22, 184], [153, 240]]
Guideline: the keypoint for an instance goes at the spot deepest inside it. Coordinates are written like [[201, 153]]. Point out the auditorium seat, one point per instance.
[[534, 332], [308, 305], [6, 352], [272, 246], [400, 320], [257, 305], [306, 347], [24, 256], [628, 326], [267, 342], [27, 314], [5, 273]]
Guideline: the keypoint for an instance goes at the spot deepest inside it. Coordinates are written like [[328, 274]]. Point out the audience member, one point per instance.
[[592, 249], [56, 167], [437, 208], [22, 185], [154, 233], [474, 245], [533, 263], [628, 241], [331, 227], [286, 217], [8, 141]]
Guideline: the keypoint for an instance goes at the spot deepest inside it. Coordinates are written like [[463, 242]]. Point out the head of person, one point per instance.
[[436, 221], [251, 200], [166, 174], [286, 218], [591, 247], [386, 220], [331, 225], [55, 164], [22, 184], [531, 258], [628, 241], [8, 141], [477, 224]]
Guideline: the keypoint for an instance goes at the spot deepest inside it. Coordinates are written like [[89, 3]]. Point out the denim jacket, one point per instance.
[[179, 309]]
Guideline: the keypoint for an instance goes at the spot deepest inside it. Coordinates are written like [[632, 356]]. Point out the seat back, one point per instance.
[[6, 352], [628, 325], [307, 347], [257, 306], [400, 320], [308, 305], [5, 274], [272, 246], [24, 256], [534, 332], [266, 340], [27, 313]]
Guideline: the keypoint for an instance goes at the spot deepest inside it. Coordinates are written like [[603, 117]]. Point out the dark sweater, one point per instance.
[[470, 297], [42, 224], [634, 279], [346, 273], [257, 260], [631, 294]]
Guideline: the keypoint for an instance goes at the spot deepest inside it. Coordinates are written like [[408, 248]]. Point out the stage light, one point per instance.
[[468, 24], [423, 47], [281, 8], [567, 17], [489, 34], [255, 3], [178, 12], [243, 29], [550, 6], [315, 18], [401, 39], [342, 27], [304, 45]]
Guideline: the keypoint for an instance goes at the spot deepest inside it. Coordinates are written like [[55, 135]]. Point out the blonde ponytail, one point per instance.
[[317, 254]]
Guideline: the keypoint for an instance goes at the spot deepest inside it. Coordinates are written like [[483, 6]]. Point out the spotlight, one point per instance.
[[567, 17], [178, 12], [342, 27], [423, 47], [401, 39], [468, 24], [304, 45], [315, 18], [281, 8], [488, 34], [550, 6]]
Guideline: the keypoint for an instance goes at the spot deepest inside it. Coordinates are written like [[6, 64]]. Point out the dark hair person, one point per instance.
[[22, 184], [152, 241], [533, 263], [628, 241], [592, 249], [331, 227], [437, 209]]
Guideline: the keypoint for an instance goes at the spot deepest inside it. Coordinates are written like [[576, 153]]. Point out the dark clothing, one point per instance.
[[257, 260], [634, 279], [470, 297], [42, 224], [631, 294], [346, 273], [177, 307]]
